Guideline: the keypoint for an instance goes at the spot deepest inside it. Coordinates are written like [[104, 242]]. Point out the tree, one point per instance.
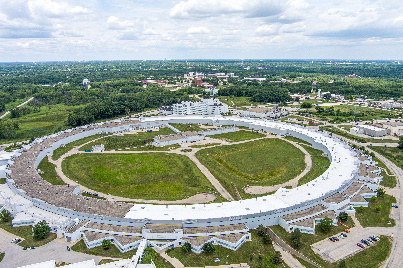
[[400, 144], [5, 216], [325, 225], [296, 238], [378, 208], [373, 199], [208, 248], [106, 244], [261, 230], [306, 105], [343, 217], [267, 239], [380, 192], [187, 247], [41, 230], [276, 259]]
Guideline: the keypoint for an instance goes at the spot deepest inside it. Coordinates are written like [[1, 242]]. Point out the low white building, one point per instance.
[[204, 107], [370, 130]]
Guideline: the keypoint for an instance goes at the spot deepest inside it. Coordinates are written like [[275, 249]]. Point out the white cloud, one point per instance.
[[208, 8], [267, 30], [114, 23], [52, 9], [198, 30]]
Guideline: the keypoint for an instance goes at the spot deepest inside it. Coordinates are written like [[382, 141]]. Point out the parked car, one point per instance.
[[335, 238], [332, 239], [16, 240], [343, 234], [365, 242], [360, 245]]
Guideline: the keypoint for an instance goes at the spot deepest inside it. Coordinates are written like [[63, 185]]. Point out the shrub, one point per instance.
[[5, 216], [208, 248], [106, 244], [380, 192], [187, 247], [378, 208], [267, 239], [343, 217], [276, 259]]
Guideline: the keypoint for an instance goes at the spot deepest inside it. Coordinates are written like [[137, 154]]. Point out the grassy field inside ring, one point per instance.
[[159, 176], [264, 162]]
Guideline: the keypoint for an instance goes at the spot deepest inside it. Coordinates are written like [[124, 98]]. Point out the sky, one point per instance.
[[59, 30]]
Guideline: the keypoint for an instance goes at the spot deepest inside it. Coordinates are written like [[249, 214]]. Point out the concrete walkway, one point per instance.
[[293, 183], [287, 257], [22, 104], [174, 261]]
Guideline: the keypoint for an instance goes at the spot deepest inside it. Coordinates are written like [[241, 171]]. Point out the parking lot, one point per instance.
[[334, 251]]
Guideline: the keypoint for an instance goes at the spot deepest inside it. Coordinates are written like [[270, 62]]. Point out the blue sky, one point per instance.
[[53, 30]]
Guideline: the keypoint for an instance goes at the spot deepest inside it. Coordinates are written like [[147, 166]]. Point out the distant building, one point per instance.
[[198, 81], [204, 107], [370, 130], [86, 82]]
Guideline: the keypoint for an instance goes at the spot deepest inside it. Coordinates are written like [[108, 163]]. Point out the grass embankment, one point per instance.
[[150, 254], [371, 218], [112, 252], [186, 127], [62, 150], [388, 181], [49, 172], [319, 165], [291, 138], [204, 145], [241, 135], [49, 119], [128, 141], [356, 138], [26, 233], [3, 180], [158, 176], [307, 240], [394, 154], [263, 162], [254, 252], [2, 256]]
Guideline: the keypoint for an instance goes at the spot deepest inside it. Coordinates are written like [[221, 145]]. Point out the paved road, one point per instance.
[[396, 256], [56, 250], [22, 104], [288, 258]]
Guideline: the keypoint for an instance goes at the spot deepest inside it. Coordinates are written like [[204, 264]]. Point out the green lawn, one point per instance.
[[319, 165], [240, 135], [264, 162], [3, 180], [48, 120], [127, 141], [104, 261], [204, 145], [62, 150], [388, 181], [249, 253], [394, 154], [186, 127], [370, 218], [159, 176], [26, 233], [150, 254], [307, 240], [291, 138], [373, 256], [236, 101], [2, 256], [49, 172], [112, 252]]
